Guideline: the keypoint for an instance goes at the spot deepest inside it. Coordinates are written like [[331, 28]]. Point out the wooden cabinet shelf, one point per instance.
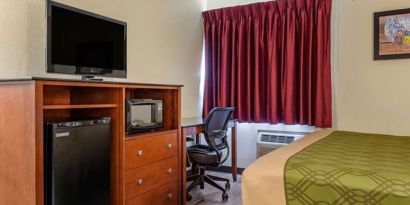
[[148, 134], [82, 106], [33, 102]]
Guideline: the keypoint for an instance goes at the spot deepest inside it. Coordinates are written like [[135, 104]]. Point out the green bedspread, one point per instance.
[[348, 168]]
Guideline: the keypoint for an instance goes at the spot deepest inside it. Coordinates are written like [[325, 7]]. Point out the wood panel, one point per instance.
[[158, 87], [17, 144], [149, 177], [56, 115], [145, 150], [116, 135], [93, 95], [109, 85], [26, 105], [183, 166], [164, 195], [121, 185], [181, 148], [39, 125], [77, 95], [56, 95], [84, 106], [82, 84]]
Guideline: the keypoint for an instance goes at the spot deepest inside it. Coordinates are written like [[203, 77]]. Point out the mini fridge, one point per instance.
[[77, 162]]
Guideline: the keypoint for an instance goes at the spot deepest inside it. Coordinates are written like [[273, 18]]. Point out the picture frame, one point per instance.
[[392, 34]]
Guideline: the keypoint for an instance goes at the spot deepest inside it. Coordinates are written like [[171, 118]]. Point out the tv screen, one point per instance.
[[80, 42]]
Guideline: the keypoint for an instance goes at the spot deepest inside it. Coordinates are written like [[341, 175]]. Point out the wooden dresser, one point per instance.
[[151, 161], [146, 168]]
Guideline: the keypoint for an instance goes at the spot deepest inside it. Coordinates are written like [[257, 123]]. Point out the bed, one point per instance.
[[332, 168]]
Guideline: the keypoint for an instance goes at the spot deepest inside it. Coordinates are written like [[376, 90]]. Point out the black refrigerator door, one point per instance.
[[78, 163]]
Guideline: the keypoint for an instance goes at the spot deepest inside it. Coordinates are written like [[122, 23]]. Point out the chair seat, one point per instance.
[[203, 155]]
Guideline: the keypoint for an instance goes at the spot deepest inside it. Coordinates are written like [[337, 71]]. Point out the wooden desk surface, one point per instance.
[[192, 122]]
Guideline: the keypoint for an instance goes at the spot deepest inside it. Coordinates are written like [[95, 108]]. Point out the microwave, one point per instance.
[[143, 115]]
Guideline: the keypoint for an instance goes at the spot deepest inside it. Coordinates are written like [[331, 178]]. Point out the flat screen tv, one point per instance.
[[84, 43]]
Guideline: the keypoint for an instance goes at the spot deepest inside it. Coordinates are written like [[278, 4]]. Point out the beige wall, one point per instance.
[[165, 47], [370, 96], [216, 4], [164, 40], [21, 36]]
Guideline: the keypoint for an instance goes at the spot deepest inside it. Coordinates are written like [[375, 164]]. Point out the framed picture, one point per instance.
[[392, 34]]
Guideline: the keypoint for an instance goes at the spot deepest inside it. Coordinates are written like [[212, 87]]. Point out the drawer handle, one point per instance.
[[169, 195], [169, 146], [140, 153], [169, 171], [140, 181]]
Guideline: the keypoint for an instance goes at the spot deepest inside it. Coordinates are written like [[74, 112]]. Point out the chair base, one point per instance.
[[200, 179]]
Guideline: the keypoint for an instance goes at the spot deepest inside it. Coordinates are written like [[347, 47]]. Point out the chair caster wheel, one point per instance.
[[188, 197], [224, 196], [227, 186]]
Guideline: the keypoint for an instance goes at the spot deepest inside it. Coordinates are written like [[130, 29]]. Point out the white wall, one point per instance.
[[370, 96], [164, 41]]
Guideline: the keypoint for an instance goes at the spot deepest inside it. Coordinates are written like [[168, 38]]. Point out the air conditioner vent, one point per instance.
[[271, 140], [289, 140], [280, 139]]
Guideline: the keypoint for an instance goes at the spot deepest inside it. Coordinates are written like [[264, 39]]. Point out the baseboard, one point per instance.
[[224, 169]]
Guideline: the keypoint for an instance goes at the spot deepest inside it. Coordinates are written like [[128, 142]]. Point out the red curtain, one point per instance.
[[271, 61]]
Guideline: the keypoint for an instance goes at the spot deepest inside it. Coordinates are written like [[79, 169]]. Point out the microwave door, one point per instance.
[[141, 115]]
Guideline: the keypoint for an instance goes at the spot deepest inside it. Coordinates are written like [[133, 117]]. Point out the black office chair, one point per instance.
[[215, 131]]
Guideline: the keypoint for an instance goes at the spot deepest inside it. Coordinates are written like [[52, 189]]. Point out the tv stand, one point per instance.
[[145, 168], [91, 78]]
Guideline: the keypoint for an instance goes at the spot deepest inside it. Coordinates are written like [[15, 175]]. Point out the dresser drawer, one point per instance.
[[143, 179], [164, 195], [145, 150]]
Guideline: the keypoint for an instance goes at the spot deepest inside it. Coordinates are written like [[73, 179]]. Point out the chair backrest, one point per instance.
[[215, 129]]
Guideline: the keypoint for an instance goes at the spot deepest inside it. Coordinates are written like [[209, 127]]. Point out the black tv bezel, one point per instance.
[[70, 69]]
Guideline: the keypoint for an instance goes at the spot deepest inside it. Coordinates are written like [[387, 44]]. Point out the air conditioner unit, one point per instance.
[[269, 140]]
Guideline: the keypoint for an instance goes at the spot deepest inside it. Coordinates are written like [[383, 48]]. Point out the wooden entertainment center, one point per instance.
[[146, 168]]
